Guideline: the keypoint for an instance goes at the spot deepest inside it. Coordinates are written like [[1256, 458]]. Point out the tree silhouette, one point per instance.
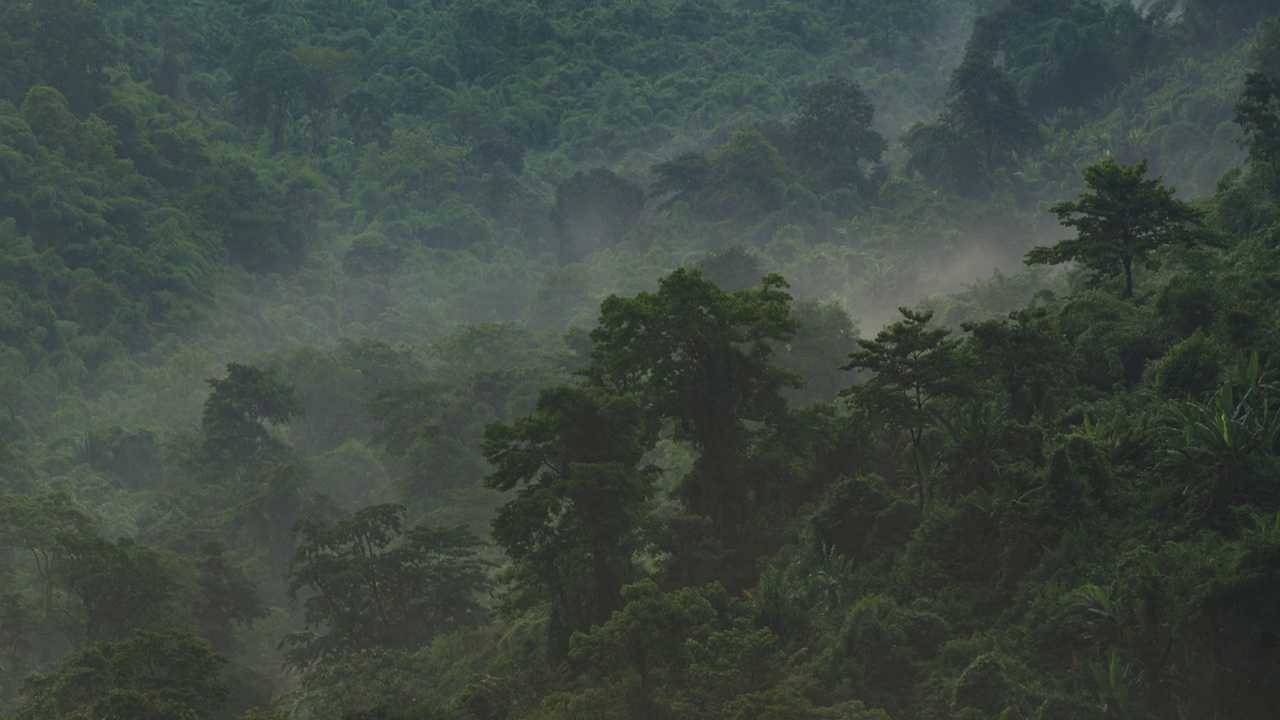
[[1122, 220]]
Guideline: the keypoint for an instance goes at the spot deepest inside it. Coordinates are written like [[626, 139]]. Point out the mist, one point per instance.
[[502, 359]]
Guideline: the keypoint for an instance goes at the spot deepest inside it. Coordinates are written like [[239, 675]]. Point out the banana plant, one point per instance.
[[829, 584], [1111, 687], [1103, 619], [979, 433], [1212, 444]]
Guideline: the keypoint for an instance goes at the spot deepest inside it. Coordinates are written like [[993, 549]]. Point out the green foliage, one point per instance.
[[1218, 446], [111, 589], [861, 518], [1028, 356], [1190, 369], [881, 647], [788, 704], [236, 416], [984, 128], [360, 206], [593, 211], [582, 497], [700, 358], [747, 178], [36, 526], [985, 686], [819, 347], [915, 370], [1122, 220], [1257, 114], [373, 584], [150, 675], [834, 139]]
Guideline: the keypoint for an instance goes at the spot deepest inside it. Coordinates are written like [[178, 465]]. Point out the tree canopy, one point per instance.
[[1124, 219], [404, 359]]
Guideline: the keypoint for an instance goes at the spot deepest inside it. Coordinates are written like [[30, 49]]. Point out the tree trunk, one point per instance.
[[1128, 276], [277, 131]]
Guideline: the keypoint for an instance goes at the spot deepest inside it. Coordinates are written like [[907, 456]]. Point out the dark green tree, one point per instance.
[[270, 79], [1028, 356], [226, 597], [150, 676], [237, 417], [573, 523], [115, 588], [34, 526], [748, 178], [914, 369], [1123, 219], [1258, 115], [833, 137], [594, 210], [983, 129], [72, 47], [820, 346], [681, 179], [369, 582], [701, 359]]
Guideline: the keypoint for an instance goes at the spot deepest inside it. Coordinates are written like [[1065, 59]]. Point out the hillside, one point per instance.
[[744, 359]]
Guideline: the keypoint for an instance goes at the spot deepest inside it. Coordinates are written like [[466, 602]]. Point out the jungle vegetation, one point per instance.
[[744, 359]]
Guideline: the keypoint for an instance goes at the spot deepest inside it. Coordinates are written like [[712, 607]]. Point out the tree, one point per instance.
[[701, 359], [150, 676], [371, 584], [115, 588], [1027, 355], [1223, 448], [983, 103], [236, 416], [594, 210], [983, 129], [580, 500], [681, 179], [1258, 115], [914, 369], [226, 597], [269, 77], [650, 637], [818, 349], [72, 46], [834, 137], [747, 178], [1123, 220], [35, 525]]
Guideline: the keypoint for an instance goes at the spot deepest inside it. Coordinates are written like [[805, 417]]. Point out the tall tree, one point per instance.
[[34, 526], [984, 128], [269, 78], [237, 417], [574, 521], [1258, 115], [701, 359], [914, 368], [72, 46], [747, 178], [1122, 220], [226, 596], [682, 178]]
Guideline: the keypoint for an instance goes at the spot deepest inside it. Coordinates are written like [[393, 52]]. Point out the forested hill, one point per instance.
[[744, 359]]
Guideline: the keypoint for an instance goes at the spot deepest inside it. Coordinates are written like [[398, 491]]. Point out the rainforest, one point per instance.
[[653, 359]]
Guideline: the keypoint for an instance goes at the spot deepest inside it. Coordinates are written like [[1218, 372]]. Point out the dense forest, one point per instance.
[[743, 359]]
